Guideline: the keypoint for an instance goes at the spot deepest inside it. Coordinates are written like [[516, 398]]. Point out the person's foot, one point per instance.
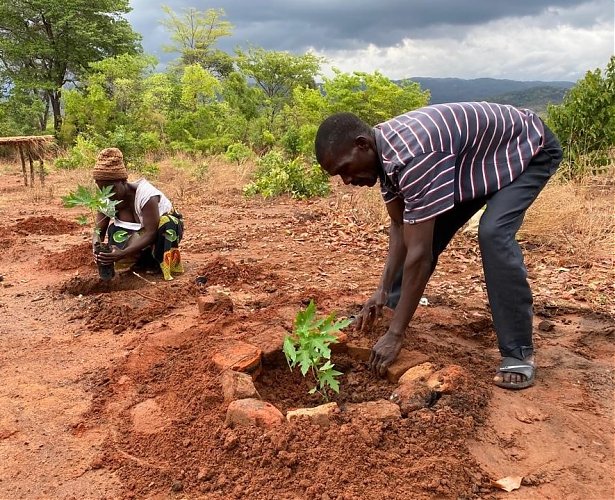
[[515, 373], [384, 352]]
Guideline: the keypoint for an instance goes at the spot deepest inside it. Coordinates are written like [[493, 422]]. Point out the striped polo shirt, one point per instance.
[[443, 154]]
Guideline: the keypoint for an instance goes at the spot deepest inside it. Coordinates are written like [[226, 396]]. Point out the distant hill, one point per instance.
[[532, 94]]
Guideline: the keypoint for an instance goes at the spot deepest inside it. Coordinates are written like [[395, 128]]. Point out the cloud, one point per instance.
[[525, 39]]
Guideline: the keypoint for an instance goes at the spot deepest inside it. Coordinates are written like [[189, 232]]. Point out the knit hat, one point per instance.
[[110, 166]]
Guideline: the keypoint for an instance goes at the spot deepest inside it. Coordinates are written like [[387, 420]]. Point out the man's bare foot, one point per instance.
[[384, 352], [515, 373]]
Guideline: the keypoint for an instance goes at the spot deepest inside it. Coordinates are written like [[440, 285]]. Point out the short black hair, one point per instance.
[[336, 131]]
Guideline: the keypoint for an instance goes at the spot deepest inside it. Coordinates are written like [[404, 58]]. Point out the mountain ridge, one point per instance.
[[534, 94]]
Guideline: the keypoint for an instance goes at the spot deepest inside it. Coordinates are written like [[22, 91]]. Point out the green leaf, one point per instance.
[[289, 350], [82, 220]]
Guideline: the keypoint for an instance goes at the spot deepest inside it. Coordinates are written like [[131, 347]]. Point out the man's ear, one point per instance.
[[362, 142]]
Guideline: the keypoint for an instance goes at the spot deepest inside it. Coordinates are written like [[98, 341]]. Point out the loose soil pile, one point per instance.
[[45, 224]]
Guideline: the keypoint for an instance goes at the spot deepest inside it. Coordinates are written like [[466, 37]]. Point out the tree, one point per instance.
[[585, 121], [372, 97], [277, 74], [194, 35], [45, 44]]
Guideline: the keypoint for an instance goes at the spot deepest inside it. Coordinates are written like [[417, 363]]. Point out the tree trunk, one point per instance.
[[42, 119], [54, 98]]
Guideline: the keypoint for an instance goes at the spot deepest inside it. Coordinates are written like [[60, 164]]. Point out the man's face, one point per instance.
[[356, 164]]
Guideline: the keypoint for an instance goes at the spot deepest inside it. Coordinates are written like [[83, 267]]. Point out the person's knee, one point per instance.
[[490, 232]]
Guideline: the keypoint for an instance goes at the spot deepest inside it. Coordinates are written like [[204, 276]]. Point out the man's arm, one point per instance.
[[418, 239], [395, 259]]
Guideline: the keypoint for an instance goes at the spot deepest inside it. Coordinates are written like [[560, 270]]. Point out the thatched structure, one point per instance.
[[33, 148]]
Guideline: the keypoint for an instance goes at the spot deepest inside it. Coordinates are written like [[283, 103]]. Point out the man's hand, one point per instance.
[[372, 310], [384, 352], [109, 257]]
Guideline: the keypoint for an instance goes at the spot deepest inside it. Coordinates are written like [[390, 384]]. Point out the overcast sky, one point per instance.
[[516, 39]]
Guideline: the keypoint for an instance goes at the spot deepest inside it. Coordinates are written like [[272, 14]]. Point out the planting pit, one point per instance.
[[91, 285], [288, 390]]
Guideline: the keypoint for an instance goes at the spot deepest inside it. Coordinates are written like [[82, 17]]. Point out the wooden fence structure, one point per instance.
[[30, 148]]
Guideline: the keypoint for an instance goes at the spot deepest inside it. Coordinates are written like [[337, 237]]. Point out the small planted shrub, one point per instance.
[[95, 200], [276, 175], [308, 347]]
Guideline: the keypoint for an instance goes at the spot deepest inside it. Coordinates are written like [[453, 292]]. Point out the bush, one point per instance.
[[238, 153], [585, 123], [82, 155], [276, 175]]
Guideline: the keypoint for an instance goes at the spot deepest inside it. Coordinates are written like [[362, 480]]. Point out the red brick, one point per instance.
[[253, 412], [405, 360], [374, 410], [237, 385], [238, 356], [360, 353]]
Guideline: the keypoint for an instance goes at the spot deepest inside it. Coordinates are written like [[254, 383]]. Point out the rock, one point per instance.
[[147, 417], [447, 379], [253, 412], [342, 343], [374, 410], [418, 373], [546, 326], [214, 304], [319, 414], [360, 353], [412, 396], [237, 385], [270, 342], [412, 392], [238, 356], [405, 360]]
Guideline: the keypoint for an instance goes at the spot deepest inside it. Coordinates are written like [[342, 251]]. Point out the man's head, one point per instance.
[[110, 170], [345, 146]]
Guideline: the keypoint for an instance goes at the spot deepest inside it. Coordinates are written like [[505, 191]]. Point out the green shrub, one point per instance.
[[238, 153], [276, 175], [585, 123], [81, 155]]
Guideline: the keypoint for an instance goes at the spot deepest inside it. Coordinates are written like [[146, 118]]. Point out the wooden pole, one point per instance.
[[41, 172], [31, 168], [23, 165]]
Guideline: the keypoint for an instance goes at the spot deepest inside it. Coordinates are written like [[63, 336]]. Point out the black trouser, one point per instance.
[[509, 293]]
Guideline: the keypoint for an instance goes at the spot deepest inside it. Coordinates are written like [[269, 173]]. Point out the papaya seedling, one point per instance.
[[94, 199], [309, 348]]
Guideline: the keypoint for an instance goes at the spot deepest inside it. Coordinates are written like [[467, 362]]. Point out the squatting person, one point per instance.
[[438, 166], [146, 230]]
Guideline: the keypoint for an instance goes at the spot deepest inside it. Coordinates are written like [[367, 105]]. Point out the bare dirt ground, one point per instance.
[[108, 391]]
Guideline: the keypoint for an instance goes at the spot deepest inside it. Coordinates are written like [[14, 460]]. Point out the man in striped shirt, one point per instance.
[[438, 166]]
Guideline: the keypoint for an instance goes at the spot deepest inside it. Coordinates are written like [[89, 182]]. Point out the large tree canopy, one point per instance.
[[45, 44]]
